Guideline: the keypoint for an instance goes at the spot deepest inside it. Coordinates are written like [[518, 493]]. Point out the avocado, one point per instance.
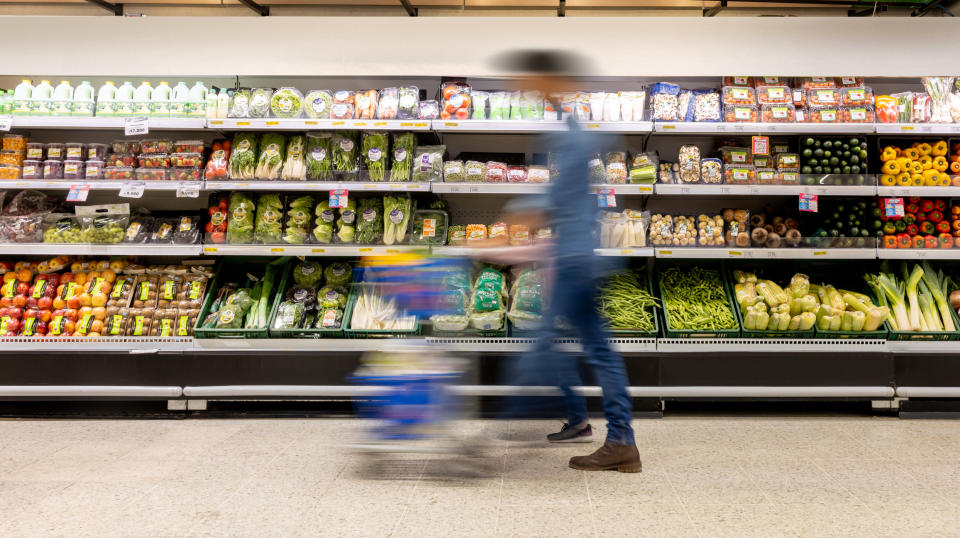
[[807, 152], [854, 159], [855, 170], [809, 142], [834, 161], [806, 170], [828, 144], [817, 170], [817, 153]]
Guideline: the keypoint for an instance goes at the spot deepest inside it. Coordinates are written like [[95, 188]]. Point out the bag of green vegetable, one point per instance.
[[409, 103], [289, 315], [329, 318], [396, 217], [305, 295], [296, 228], [347, 222], [294, 166], [338, 274], [375, 147], [323, 224], [344, 147], [240, 104], [317, 103], [370, 221], [429, 227], [286, 103], [332, 297], [427, 164], [243, 156], [319, 156], [242, 213], [403, 144], [270, 164], [260, 102], [488, 291], [307, 274], [231, 314], [487, 321], [269, 226]]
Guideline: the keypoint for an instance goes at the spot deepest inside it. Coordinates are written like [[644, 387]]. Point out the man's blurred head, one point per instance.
[[547, 71]]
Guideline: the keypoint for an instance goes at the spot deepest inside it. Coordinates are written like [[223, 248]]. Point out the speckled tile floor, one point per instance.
[[783, 476]]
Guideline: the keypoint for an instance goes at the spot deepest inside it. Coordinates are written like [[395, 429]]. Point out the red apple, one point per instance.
[[53, 279], [44, 303], [13, 325], [31, 313], [20, 300], [15, 313], [45, 316], [66, 277], [6, 301], [4, 312], [41, 328], [22, 288], [31, 302]]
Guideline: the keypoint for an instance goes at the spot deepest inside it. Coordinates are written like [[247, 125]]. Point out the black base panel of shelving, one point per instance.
[[930, 408], [928, 370], [776, 369], [39, 368], [642, 370], [767, 408], [93, 410]]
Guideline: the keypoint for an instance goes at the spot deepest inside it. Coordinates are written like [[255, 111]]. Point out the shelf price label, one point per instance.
[[78, 193], [893, 207], [188, 189], [6, 122], [808, 202], [606, 198], [136, 126], [132, 189], [339, 198]]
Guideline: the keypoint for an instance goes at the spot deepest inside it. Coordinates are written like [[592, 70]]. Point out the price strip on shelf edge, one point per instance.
[[606, 198], [136, 126], [132, 189], [78, 193], [808, 202], [339, 198], [893, 207], [188, 189], [6, 123]]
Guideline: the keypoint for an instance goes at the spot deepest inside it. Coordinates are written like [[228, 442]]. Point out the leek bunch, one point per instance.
[[918, 300]]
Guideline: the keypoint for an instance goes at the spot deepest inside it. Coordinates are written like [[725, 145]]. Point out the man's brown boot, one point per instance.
[[623, 458]]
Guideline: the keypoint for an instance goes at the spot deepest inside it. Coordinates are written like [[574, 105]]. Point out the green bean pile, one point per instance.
[[625, 302], [694, 300]]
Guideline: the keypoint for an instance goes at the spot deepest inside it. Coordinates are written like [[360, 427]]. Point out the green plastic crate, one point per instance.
[[684, 333], [925, 336], [371, 333], [231, 269], [305, 332], [755, 333]]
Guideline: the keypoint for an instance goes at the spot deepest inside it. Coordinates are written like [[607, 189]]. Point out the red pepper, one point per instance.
[[946, 241], [935, 216], [910, 218], [921, 217], [926, 206], [904, 240], [917, 242], [930, 242], [914, 199], [927, 228], [939, 204], [889, 241], [912, 229], [912, 208], [943, 227]]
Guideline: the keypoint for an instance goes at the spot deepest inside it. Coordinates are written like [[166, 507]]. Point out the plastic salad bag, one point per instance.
[[319, 156], [317, 103], [260, 102], [240, 104], [408, 102]]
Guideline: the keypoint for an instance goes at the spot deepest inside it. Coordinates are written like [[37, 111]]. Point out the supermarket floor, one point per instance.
[[715, 476]]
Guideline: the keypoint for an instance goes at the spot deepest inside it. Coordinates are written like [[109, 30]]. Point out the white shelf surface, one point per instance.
[[94, 184], [314, 185], [307, 250], [918, 253], [764, 190], [132, 345], [942, 348], [761, 128], [308, 124], [798, 253], [51, 122], [545, 126], [82, 249], [918, 191], [767, 345], [918, 128], [480, 251], [532, 188]]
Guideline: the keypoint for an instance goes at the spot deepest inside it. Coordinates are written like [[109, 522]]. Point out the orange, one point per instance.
[[96, 327], [80, 278], [100, 313], [108, 275], [59, 303], [24, 275], [85, 299], [116, 266], [98, 299]]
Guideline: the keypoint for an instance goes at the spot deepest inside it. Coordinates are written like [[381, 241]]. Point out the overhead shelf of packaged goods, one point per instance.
[[762, 128], [796, 253], [499, 251], [918, 191], [918, 253], [768, 345], [314, 186], [544, 126], [307, 124], [84, 249], [307, 250], [625, 252], [918, 128], [532, 188], [118, 344], [764, 190], [154, 124]]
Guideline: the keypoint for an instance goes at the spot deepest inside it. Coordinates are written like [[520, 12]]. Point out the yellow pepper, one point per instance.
[[925, 148], [891, 167], [888, 180], [911, 153], [940, 163], [940, 149], [926, 161], [903, 180], [943, 180], [917, 180], [889, 153], [916, 167], [930, 181]]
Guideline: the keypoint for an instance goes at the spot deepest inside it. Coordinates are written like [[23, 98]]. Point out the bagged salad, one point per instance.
[[296, 226], [428, 163], [389, 103], [242, 213], [408, 102], [286, 103], [403, 145], [270, 164], [323, 223], [260, 102], [240, 104], [269, 226], [375, 151], [243, 156], [317, 103], [369, 227], [347, 222], [396, 216], [319, 156], [344, 146], [295, 166]]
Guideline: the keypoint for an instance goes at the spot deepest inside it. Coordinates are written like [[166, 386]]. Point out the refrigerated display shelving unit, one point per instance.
[[659, 368]]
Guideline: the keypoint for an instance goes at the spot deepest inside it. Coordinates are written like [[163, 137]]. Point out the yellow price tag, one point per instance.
[[422, 124], [359, 124], [243, 123], [666, 252], [406, 124], [666, 126], [593, 126], [451, 124], [735, 253], [820, 253], [311, 123], [243, 185], [907, 127], [270, 123], [393, 251], [276, 249], [365, 250], [216, 122], [209, 249], [380, 124], [338, 123], [396, 186], [626, 251], [318, 250]]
